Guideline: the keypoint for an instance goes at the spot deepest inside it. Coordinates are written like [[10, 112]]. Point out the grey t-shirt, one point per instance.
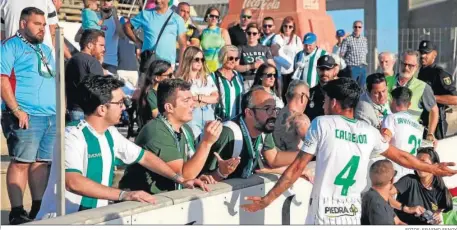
[[428, 99], [250, 54], [286, 138], [376, 210]]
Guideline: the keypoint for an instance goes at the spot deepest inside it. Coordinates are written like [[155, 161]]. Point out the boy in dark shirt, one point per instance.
[[376, 209]]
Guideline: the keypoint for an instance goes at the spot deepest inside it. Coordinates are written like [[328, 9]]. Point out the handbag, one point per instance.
[[148, 56]]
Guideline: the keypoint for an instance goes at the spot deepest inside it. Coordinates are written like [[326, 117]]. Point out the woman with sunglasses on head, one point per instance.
[[213, 38], [267, 77], [204, 91], [252, 55], [284, 49], [421, 197], [158, 71], [229, 84]]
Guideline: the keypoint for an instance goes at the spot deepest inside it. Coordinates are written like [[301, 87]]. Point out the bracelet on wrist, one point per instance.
[[16, 109], [176, 177], [218, 171], [122, 195]]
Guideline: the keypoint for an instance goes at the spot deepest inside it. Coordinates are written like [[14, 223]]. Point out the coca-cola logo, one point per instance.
[[262, 4]]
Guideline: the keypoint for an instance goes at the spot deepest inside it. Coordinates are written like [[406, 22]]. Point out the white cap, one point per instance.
[[339, 61]]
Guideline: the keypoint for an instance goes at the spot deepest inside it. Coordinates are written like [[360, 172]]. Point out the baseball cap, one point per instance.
[[309, 39], [426, 46], [326, 61], [340, 33]]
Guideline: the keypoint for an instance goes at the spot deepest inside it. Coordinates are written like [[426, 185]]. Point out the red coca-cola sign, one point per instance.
[[262, 4]]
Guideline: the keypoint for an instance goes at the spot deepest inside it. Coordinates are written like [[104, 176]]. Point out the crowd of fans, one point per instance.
[[217, 104]]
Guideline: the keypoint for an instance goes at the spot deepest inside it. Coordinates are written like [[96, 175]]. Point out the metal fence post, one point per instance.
[[60, 123]]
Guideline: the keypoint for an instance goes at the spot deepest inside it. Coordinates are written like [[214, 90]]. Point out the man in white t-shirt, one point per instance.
[[93, 147], [11, 13], [342, 146], [401, 129]]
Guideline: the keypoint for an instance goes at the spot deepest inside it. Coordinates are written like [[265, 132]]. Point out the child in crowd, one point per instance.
[[90, 18]]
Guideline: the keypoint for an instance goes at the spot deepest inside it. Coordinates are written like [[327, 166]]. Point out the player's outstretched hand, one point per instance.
[[258, 203], [442, 169]]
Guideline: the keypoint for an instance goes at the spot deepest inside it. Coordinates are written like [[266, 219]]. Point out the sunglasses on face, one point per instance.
[[197, 59], [267, 26], [213, 16], [252, 33], [269, 75], [247, 16], [288, 27], [357, 27], [233, 58]]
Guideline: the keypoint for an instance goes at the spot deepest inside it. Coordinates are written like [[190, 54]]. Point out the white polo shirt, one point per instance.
[[94, 156]]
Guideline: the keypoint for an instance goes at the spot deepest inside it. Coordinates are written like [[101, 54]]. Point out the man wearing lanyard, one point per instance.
[[28, 90], [93, 147], [423, 98], [373, 105], [172, 140], [249, 136], [442, 83], [328, 70]]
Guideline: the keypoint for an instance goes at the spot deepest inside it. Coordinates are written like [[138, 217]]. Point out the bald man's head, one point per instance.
[[382, 173], [245, 17]]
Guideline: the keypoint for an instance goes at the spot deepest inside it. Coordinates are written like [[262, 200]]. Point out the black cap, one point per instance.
[[326, 61], [426, 46]]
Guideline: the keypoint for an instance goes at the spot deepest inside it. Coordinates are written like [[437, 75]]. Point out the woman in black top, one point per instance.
[[422, 189], [267, 77]]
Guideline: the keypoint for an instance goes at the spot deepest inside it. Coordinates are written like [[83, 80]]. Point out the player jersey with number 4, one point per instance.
[[406, 134], [343, 148]]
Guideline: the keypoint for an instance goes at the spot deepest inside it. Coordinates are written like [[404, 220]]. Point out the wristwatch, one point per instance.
[[176, 177], [402, 207], [122, 195]]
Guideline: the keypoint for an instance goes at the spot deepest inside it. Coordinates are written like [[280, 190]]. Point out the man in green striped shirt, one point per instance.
[[306, 61], [93, 147]]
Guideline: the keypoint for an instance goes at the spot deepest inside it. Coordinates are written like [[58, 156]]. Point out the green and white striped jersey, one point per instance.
[[94, 156], [230, 93], [306, 65]]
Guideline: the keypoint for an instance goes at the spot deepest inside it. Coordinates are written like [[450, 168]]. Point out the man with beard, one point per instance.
[[423, 98], [28, 90], [373, 105], [81, 65], [327, 68], [113, 31], [342, 146], [442, 83], [249, 136]]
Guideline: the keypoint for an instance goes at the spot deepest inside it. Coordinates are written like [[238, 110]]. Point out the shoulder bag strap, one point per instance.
[[161, 31]]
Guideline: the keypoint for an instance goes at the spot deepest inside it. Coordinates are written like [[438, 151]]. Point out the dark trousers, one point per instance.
[[284, 85]]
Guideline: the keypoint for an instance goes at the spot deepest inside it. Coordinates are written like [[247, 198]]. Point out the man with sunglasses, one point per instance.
[[268, 34], [423, 97], [327, 69], [238, 32], [306, 60], [249, 136], [93, 147], [442, 83], [354, 50], [28, 92], [376, 209]]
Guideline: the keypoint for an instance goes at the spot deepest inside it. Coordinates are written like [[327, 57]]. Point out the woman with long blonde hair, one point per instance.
[[193, 69]]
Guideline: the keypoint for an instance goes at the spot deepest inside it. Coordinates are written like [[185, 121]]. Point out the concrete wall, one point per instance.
[[221, 205]]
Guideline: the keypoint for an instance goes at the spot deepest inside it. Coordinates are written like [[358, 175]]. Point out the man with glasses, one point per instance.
[[93, 147], [423, 98], [192, 32], [328, 71], [354, 50], [268, 34], [292, 124], [376, 209], [28, 92], [442, 83], [238, 32], [306, 60], [249, 136]]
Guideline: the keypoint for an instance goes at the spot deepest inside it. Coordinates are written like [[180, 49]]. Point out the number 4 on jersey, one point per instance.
[[347, 182]]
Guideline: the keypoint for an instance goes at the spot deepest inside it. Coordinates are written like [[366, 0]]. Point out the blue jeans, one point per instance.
[[33, 144], [199, 118], [359, 73], [76, 115]]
